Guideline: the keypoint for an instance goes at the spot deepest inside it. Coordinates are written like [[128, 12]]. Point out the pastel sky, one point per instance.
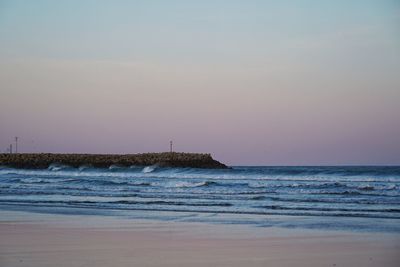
[[251, 82]]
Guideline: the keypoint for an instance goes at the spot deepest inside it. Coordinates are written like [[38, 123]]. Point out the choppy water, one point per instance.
[[342, 197]]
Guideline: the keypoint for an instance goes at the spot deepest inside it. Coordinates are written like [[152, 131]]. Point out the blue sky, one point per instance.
[[179, 30]]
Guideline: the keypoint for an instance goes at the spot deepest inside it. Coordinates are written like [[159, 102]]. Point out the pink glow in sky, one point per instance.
[[253, 83]]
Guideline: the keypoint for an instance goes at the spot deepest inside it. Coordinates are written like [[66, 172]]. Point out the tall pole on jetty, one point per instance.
[[170, 146], [16, 144], [10, 148]]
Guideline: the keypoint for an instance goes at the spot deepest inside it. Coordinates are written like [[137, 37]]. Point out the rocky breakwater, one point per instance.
[[166, 159]]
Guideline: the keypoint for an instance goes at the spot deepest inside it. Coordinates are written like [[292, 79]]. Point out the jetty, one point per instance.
[[164, 159]]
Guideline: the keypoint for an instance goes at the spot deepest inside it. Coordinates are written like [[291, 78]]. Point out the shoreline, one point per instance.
[[259, 221], [33, 239]]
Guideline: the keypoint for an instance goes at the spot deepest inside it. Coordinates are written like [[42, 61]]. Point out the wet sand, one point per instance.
[[40, 240]]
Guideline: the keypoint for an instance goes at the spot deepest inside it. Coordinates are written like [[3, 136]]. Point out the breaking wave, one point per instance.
[[369, 192], [149, 169]]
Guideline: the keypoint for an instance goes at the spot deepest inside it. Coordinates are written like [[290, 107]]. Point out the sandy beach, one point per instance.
[[32, 239]]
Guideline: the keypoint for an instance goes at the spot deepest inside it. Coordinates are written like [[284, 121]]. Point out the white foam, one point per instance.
[[149, 169]]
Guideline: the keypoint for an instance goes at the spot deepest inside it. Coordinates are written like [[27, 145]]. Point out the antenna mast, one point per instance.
[[16, 144], [170, 146]]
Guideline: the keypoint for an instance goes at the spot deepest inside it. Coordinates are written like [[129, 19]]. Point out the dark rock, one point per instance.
[[166, 159]]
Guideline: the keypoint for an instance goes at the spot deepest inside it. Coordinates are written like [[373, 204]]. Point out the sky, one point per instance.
[[251, 82]]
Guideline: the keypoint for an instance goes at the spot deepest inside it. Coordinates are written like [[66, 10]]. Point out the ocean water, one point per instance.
[[348, 198]]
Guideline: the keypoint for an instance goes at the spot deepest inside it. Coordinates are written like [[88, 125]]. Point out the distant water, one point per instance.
[[355, 198]]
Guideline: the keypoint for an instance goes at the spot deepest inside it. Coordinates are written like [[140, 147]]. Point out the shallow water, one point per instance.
[[354, 198]]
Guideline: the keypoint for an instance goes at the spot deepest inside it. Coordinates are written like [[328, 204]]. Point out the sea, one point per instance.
[[351, 198]]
